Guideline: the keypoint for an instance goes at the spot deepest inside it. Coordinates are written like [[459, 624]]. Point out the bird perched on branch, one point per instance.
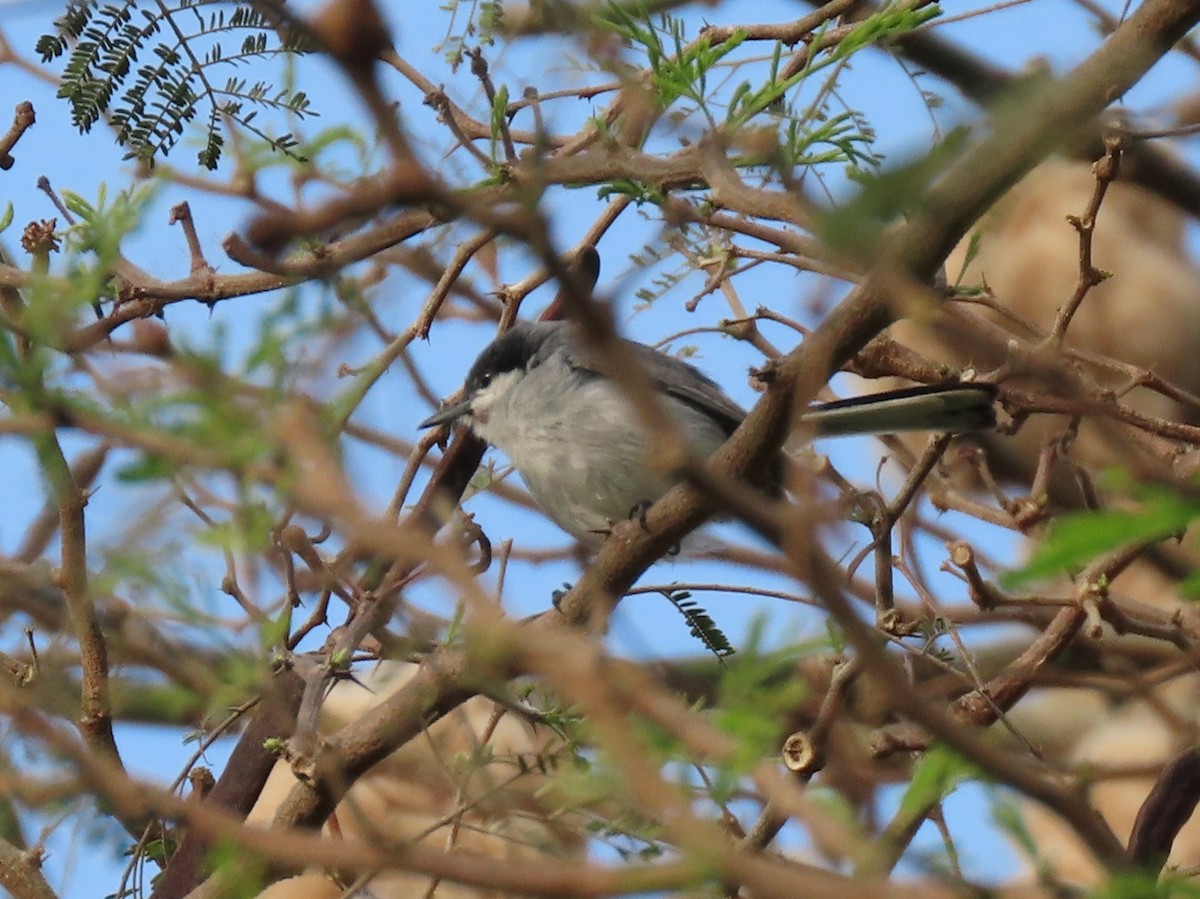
[[538, 394]]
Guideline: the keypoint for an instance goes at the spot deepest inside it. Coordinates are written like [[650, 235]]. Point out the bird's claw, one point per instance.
[[638, 513], [556, 597]]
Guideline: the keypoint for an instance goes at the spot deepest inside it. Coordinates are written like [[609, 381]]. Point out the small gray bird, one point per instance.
[[536, 394]]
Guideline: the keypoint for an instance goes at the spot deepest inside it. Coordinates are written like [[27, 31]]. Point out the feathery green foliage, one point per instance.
[[152, 68]]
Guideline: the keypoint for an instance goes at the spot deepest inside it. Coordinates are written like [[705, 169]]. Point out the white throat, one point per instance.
[[491, 411]]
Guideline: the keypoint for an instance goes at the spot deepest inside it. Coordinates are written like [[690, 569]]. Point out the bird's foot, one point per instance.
[[638, 513], [556, 597]]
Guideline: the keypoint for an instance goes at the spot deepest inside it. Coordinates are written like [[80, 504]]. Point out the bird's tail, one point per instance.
[[961, 407]]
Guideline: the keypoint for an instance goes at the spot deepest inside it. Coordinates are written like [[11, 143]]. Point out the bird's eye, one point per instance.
[[485, 379]]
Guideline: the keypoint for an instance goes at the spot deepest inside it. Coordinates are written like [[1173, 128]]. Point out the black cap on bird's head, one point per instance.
[[511, 351]]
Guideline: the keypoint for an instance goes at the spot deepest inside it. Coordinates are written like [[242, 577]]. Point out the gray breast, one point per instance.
[[583, 456]]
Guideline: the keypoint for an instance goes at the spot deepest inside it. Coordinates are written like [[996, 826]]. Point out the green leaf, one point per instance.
[[935, 777], [973, 245], [1147, 885], [499, 111], [701, 624], [889, 23], [1010, 818], [1076, 539], [136, 73]]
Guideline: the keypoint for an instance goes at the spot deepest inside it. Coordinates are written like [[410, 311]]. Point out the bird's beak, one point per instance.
[[446, 414]]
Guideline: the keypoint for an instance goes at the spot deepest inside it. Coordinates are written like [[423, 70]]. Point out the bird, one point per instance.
[[537, 394]]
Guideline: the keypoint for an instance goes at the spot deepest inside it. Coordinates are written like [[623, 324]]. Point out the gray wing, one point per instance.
[[674, 377]]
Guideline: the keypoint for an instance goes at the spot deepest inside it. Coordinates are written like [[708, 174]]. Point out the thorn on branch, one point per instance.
[[295, 540]]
